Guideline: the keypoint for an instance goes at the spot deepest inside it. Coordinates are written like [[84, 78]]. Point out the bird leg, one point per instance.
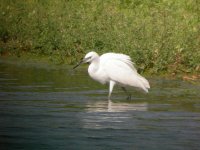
[[129, 94], [112, 84]]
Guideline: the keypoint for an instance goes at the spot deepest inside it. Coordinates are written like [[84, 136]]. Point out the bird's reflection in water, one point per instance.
[[115, 115], [110, 106]]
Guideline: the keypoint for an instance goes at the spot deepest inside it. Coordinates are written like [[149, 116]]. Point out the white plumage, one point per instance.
[[114, 68]]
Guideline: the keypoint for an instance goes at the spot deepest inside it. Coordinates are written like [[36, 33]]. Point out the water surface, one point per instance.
[[53, 107]]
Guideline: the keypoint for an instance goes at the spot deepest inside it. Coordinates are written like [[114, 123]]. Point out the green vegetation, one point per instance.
[[159, 35]]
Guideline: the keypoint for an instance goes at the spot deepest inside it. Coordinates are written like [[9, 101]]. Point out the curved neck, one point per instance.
[[94, 66]]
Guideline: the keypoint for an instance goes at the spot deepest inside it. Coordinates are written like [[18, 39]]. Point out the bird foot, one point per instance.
[[129, 97]]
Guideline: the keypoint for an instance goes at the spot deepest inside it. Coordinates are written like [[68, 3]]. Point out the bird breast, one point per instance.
[[97, 74]]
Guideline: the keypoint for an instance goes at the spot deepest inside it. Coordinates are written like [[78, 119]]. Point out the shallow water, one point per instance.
[[45, 107]]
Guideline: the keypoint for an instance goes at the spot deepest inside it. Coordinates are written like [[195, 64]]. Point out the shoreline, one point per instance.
[[44, 61]]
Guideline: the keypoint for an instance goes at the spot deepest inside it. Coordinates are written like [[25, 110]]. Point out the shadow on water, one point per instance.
[[53, 107]]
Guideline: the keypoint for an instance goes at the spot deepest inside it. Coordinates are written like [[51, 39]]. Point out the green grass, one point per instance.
[[159, 35]]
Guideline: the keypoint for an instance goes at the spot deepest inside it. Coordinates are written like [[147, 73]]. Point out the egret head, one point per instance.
[[89, 57]]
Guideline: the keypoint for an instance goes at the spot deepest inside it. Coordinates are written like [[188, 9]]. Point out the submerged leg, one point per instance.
[[112, 84], [129, 94]]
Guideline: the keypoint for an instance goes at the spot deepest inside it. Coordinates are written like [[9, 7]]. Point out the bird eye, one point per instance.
[[89, 57]]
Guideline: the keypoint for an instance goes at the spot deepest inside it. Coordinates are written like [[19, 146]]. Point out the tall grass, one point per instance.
[[159, 35]]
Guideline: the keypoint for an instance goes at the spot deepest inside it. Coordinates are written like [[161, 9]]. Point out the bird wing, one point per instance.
[[120, 69], [118, 57]]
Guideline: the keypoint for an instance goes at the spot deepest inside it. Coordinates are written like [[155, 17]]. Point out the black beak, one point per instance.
[[78, 64], [81, 62]]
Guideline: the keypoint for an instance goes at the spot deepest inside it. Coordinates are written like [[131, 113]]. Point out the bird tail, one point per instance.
[[141, 83], [144, 83]]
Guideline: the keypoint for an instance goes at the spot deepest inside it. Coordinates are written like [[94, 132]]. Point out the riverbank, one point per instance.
[[162, 37], [43, 61]]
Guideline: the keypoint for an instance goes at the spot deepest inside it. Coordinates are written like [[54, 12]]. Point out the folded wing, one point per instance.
[[120, 69]]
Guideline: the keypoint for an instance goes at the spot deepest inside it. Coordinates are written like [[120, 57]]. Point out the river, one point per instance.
[[56, 108]]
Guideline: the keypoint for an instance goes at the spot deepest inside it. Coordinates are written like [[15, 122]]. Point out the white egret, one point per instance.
[[114, 68]]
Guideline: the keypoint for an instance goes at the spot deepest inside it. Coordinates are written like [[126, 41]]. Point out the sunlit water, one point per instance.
[[55, 108]]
